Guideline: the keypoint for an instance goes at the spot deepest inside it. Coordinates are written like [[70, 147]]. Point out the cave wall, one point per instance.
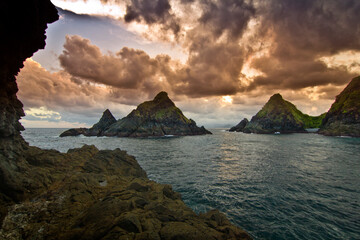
[[22, 26]]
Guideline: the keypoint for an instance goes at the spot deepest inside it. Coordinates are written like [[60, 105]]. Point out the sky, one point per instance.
[[219, 61]]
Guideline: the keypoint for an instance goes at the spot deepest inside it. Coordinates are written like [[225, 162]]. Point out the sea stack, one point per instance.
[[159, 117], [343, 118], [240, 126], [279, 115], [97, 129]]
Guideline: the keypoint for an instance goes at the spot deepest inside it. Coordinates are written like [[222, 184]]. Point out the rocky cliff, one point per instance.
[[85, 193], [279, 115], [158, 117], [343, 118]]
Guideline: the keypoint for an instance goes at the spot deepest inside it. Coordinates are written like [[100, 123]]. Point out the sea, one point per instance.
[[293, 186]]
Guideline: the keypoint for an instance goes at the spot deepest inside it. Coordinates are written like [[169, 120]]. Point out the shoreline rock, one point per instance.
[[65, 198]]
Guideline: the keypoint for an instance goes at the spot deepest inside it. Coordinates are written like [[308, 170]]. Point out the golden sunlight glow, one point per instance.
[[250, 72], [226, 99], [349, 59], [312, 93], [43, 113], [95, 7], [53, 124], [34, 62]]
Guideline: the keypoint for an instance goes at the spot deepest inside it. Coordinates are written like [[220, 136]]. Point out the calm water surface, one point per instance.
[[296, 186]]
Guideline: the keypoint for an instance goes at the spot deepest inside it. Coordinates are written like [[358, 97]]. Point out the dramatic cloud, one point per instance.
[[60, 100], [283, 42], [235, 55], [226, 16], [131, 69], [127, 69], [57, 92], [156, 11], [301, 32]]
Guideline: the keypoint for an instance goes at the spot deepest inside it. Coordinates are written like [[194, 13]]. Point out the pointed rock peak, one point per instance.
[[276, 97], [161, 96], [107, 115]]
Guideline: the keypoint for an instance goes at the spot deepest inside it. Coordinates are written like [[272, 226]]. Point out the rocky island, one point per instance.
[[279, 115], [84, 193], [158, 117], [343, 118], [97, 129]]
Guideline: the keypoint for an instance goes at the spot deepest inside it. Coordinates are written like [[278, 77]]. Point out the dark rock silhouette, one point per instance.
[[84, 193], [158, 117], [343, 118], [281, 116], [97, 129], [23, 33], [240, 126]]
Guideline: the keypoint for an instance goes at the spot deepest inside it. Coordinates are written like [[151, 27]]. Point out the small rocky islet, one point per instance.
[[84, 193], [159, 117], [281, 116], [278, 115]]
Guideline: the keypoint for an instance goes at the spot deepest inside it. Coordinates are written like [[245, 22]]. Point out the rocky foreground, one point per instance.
[[92, 194], [155, 118], [343, 118], [85, 193]]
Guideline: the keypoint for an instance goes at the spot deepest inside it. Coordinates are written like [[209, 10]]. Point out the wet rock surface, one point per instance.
[[65, 198]]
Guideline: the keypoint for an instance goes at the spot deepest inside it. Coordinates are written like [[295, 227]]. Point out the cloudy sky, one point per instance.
[[219, 61]]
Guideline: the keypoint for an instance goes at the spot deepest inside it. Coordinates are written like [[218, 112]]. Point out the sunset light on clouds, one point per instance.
[[117, 54]]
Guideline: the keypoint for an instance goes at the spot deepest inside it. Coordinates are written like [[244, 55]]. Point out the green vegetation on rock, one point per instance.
[[279, 115], [343, 118], [158, 117], [348, 100]]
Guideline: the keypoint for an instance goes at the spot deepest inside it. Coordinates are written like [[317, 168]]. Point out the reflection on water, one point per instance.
[[302, 186]]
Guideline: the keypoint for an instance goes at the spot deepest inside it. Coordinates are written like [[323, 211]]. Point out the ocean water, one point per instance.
[[296, 186]]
